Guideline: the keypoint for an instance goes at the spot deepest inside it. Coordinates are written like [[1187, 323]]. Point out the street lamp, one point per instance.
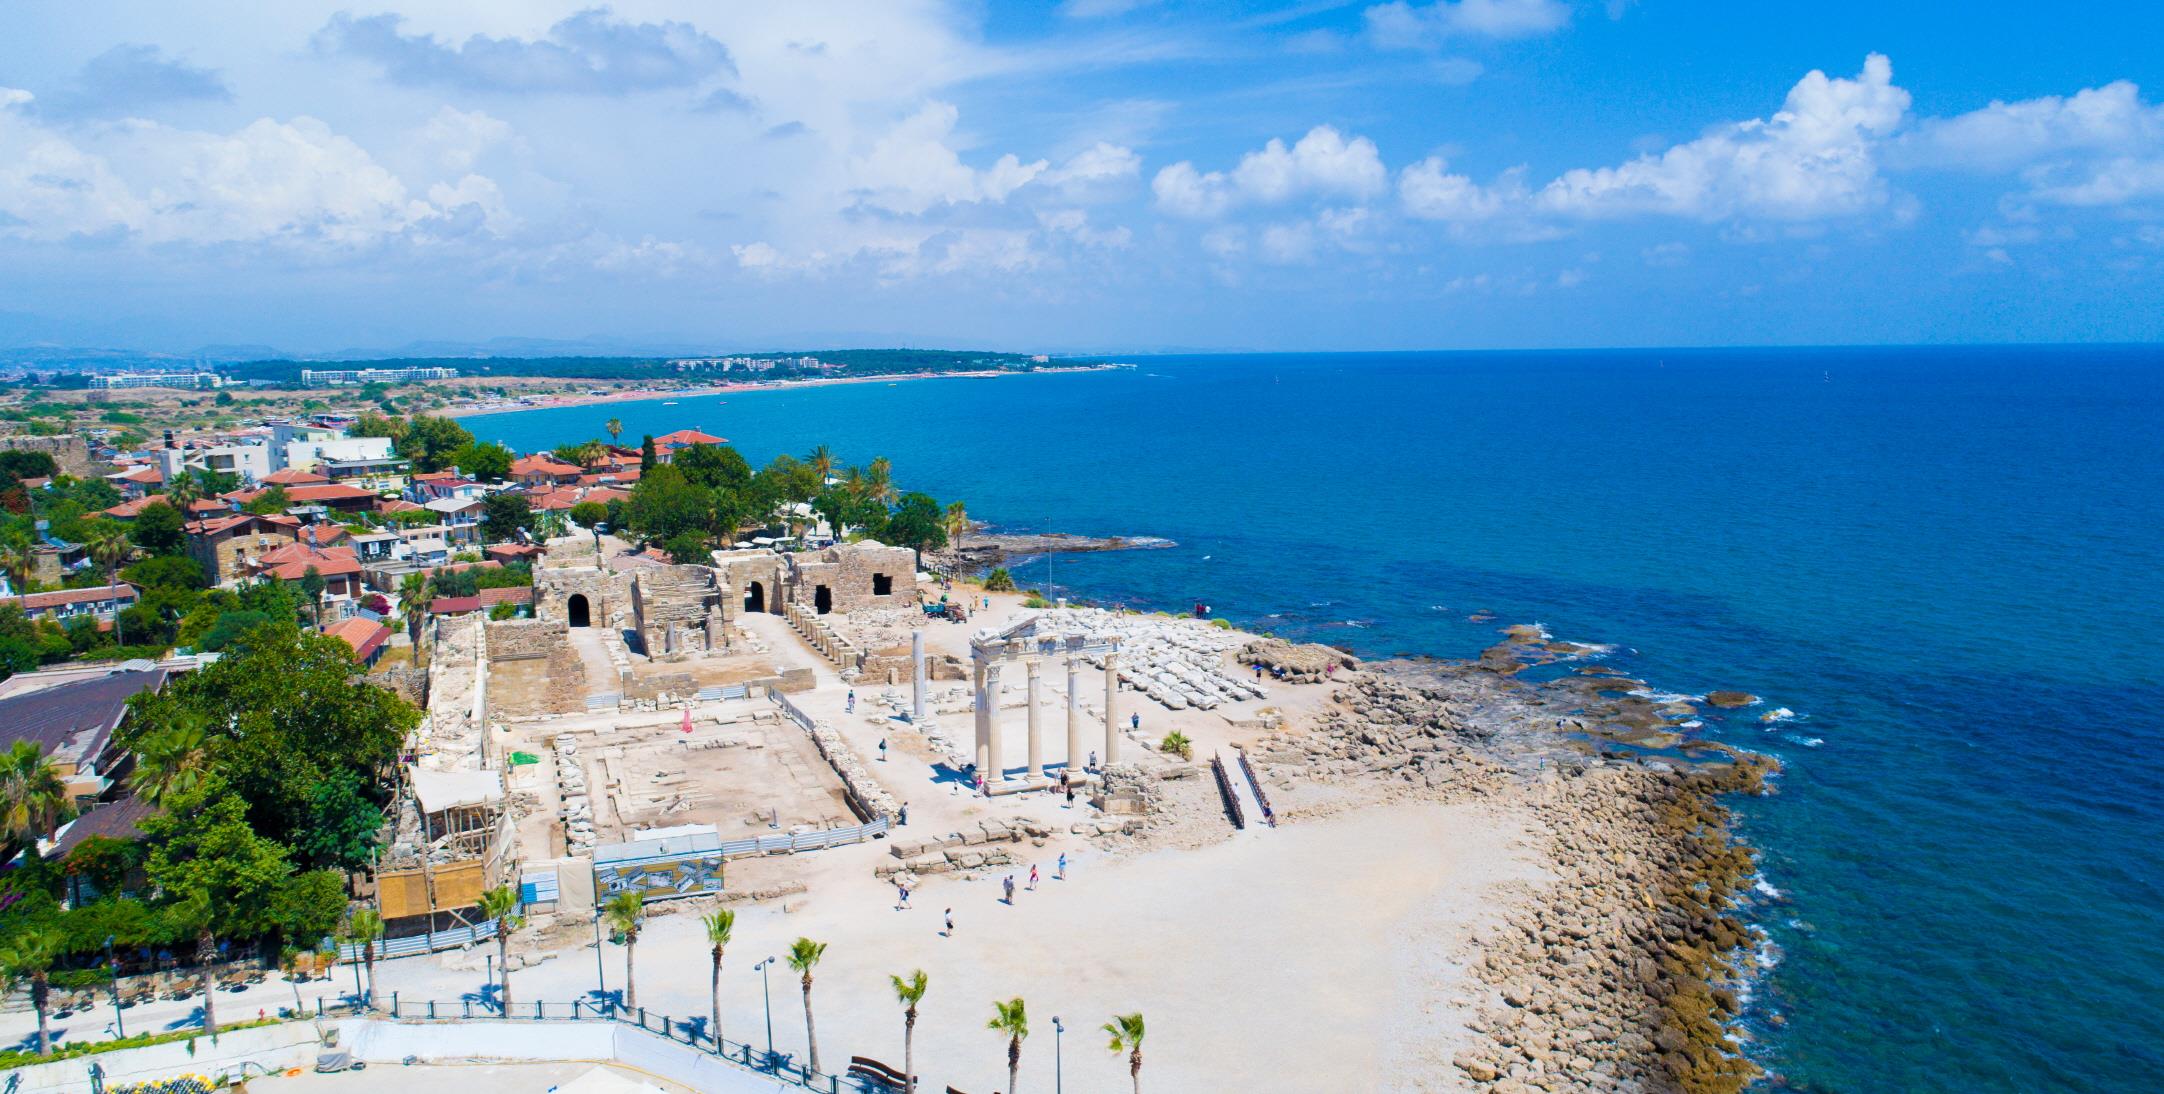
[[600, 563], [120, 1025], [601, 981], [768, 992], [1059, 1068]]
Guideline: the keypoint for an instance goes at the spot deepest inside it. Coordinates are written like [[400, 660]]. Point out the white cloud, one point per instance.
[[1321, 163], [1815, 158], [1404, 25], [1075, 223], [2001, 136], [912, 167], [1101, 163], [1288, 243], [459, 138], [1430, 191]]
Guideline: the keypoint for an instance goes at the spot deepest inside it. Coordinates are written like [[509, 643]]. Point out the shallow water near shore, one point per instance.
[[1945, 562]]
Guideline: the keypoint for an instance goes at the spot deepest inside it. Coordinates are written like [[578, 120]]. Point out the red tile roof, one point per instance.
[[512, 551], [544, 465], [147, 475], [40, 601], [293, 477], [399, 506], [328, 492], [689, 436], [366, 636], [454, 605], [291, 561], [129, 510], [606, 494], [552, 500]]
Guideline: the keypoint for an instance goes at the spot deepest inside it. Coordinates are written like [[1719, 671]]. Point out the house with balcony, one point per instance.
[[460, 519], [99, 602]]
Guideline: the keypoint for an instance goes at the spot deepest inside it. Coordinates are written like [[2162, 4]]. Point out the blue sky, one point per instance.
[[1090, 175]]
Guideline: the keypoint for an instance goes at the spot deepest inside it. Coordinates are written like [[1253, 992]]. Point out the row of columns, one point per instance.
[[991, 752]]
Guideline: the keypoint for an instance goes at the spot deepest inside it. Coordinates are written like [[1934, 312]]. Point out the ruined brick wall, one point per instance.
[[680, 609], [857, 577], [67, 450], [526, 639], [554, 588], [754, 579]]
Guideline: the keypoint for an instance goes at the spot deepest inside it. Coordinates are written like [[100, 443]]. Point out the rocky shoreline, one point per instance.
[[983, 550], [1620, 973]]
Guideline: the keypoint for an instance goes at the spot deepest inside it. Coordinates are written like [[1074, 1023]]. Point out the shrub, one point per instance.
[[1221, 623], [1177, 744], [999, 581]]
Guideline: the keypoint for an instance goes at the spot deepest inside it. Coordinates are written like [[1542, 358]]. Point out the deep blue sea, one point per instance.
[[1948, 562]]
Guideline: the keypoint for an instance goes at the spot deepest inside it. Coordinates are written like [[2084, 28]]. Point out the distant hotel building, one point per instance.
[[747, 364], [312, 377], [110, 380]]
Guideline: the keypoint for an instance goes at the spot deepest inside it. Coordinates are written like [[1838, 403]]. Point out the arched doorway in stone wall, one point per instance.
[[577, 612], [755, 598], [823, 599]]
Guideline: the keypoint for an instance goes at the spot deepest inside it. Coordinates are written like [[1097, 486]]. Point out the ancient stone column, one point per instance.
[[1074, 717], [1112, 707], [995, 768], [1036, 732], [916, 669], [983, 703]]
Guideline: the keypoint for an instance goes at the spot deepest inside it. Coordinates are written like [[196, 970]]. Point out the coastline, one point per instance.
[[559, 402]]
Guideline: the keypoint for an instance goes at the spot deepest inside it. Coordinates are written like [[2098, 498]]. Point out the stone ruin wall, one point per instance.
[[68, 450], [554, 588], [847, 572], [562, 680], [681, 609]]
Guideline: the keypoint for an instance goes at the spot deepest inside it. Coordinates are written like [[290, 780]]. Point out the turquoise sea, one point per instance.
[[1948, 563]]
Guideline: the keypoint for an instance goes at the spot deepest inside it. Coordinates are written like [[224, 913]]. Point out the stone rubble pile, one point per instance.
[[1180, 663], [1309, 663], [576, 804], [854, 775]]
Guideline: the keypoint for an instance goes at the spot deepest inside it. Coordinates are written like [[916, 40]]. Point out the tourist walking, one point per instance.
[[882, 750], [1070, 797], [1033, 877], [1134, 722], [1061, 874], [1093, 761], [902, 816], [901, 888], [852, 708], [1007, 883], [949, 932]]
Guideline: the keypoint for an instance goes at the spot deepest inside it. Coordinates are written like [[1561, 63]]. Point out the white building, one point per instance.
[[299, 447], [111, 380], [316, 377], [249, 461]]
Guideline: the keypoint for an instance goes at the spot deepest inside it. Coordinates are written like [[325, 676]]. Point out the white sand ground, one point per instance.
[[1298, 959]]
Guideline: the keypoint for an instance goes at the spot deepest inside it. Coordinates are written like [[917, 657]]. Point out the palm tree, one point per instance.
[[170, 761], [1126, 1031], [501, 905], [615, 428], [362, 928], [1012, 1019], [909, 991], [109, 547], [957, 523], [413, 608], [17, 562], [804, 956], [184, 488], [821, 460], [720, 924], [879, 480], [29, 958], [626, 913], [33, 801]]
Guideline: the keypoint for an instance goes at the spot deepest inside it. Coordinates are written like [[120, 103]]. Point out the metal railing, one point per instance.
[[1224, 787], [691, 1033], [1269, 816], [413, 945]]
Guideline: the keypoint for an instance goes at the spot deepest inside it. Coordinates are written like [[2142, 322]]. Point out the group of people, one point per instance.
[[1006, 885]]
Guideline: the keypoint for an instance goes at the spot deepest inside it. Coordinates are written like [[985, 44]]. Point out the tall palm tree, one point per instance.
[[879, 480], [363, 927], [184, 488], [30, 957], [804, 955], [33, 801], [501, 905], [1126, 1031], [821, 460], [1012, 1019], [171, 761], [413, 608], [720, 925], [626, 913], [109, 546], [615, 428], [957, 523], [909, 991]]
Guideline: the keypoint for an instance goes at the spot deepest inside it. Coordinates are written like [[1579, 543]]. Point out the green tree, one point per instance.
[[158, 529], [589, 513], [503, 513], [172, 761], [219, 879], [184, 490], [909, 991], [362, 928], [29, 956], [648, 458], [957, 518], [372, 424], [33, 800], [821, 460], [918, 524], [166, 572], [1126, 1031], [804, 955], [999, 581], [501, 904], [713, 466], [312, 586], [1011, 1018], [665, 504], [483, 461], [626, 913], [270, 502], [686, 548], [615, 429], [720, 926], [17, 560], [342, 824], [429, 442], [585, 454], [413, 608]]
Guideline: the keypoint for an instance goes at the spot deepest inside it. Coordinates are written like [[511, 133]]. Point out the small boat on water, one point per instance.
[[669, 402]]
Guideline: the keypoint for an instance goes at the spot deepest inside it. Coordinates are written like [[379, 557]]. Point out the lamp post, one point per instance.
[[768, 992], [491, 981], [601, 980], [600, 563], [120, 1025], [1059, 1067]]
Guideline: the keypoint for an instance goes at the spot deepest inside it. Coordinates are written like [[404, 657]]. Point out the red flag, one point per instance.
[[687, 719]]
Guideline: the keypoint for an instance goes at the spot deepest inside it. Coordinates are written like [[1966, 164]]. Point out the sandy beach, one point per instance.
[[552, 402]]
